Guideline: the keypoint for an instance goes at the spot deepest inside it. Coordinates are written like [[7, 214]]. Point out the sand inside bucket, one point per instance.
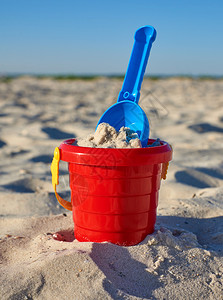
[[106, 136]]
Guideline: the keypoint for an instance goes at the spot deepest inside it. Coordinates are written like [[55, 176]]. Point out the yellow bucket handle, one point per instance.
[[164, 170], [165, 167], [55, 179]]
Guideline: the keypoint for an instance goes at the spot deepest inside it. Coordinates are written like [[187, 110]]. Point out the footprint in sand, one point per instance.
[[215, 172], [205, 127], [46, 159], [18, 152], [2, 144], [197, 178], [221, 119], [57, 134], [21, 186]]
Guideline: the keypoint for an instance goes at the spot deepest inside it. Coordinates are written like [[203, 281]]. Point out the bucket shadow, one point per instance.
[[124, 275]]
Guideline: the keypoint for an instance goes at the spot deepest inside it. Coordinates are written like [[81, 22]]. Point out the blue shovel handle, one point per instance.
[[144, 37]]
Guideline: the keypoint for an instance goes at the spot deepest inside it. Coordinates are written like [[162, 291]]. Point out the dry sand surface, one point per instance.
[[40, 259]]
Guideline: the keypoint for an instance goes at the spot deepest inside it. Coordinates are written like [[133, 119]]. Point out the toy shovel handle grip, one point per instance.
[[144, 37]]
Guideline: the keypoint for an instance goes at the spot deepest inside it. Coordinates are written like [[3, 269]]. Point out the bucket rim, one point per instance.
[[115, 156]]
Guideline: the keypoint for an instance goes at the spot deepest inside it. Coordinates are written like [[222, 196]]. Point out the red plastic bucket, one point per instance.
[[114, 192]]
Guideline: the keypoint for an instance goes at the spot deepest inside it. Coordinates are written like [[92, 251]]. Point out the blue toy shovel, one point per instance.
[[126, 112]]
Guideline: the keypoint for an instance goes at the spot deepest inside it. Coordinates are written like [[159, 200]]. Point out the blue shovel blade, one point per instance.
[[128, 114]]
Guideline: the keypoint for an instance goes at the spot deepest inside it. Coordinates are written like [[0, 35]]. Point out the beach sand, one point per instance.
[[40, 258]]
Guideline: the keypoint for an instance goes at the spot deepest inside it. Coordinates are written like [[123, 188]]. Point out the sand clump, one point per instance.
[[106, 136]]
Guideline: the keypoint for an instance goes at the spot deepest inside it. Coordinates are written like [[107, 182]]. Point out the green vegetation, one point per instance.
[[6, 79], [72, 77], [208, 77], [154, 77], [68, 77]]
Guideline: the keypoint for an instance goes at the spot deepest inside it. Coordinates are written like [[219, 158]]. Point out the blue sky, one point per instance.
[[96, 37]]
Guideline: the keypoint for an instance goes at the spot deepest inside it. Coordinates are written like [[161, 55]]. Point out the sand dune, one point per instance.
[[40, 258]]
